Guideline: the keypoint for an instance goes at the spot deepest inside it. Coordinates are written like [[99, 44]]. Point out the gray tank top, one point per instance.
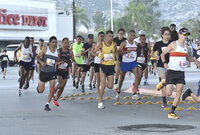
[[50, 59]]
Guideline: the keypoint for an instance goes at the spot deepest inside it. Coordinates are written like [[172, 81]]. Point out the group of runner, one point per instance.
[[107, 61]]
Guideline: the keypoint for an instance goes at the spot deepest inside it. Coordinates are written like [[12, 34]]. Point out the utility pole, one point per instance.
[[74, 20], [111, 14]]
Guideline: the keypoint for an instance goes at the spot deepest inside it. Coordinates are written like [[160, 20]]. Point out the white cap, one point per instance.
[[142, 32]]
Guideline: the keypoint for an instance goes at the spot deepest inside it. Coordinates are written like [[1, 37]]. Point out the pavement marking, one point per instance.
[[138, 103], [191, 102], [72, 98], [181, 102], [189, 113], [191, 108], [96, 92], [89, 93], [169, 102], [159, 102], [118, 103], [90, 98], [71, 95], [63, 99], [145, 97], [148, 103], [167, 109], [128, 103], [66, 96], [81, 98], [108, 98], [154, 97], [179, 108], [126, 97], [82, 94], [77, 95]]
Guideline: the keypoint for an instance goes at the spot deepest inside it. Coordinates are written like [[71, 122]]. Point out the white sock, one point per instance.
[[47, 103]]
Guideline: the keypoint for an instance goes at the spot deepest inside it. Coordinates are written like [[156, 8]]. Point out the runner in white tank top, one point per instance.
[[175, 68], [25, 61], [128, 50]]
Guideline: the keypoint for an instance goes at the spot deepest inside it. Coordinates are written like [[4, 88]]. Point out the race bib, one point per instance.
[[108, 56], [130, 56], [163, 48], [63, 66], [141, 59], [26, 57], [78, 55], [183, 63], [50, 62], [5, 59]]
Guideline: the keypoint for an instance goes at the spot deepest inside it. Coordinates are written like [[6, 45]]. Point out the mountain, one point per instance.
[[175, 10]]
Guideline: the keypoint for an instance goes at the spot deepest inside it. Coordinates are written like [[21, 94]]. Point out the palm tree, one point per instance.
[[81, 17]]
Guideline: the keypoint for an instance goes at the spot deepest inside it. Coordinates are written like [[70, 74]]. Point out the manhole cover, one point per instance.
[[156, 128]]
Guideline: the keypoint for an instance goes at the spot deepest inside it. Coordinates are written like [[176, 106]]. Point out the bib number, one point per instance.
[[108, 56], [26, 57], [77, 55], [141, 59], [63, 66], [183, 63], [130, 56], [50, 62]]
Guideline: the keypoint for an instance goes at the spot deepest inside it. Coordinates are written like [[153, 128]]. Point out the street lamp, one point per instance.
[[111, 14]]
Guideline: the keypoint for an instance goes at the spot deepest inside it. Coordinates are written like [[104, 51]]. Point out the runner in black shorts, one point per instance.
[[118, 40], [97, 58], [62, 69], [86, 49], [27, 51], [49, 57], [4, 62], [143, 54]]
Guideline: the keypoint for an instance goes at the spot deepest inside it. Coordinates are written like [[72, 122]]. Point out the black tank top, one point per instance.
[[142, 51], [64, 56]]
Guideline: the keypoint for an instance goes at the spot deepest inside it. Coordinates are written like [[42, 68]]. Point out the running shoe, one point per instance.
[[186, 94], [47, 108], [74, 84], [100, 105], [115, 87], [160, 85], [19, 93], [117, 97], [135, 96], [90, 86], [55, 103], [146, 83], [94, 86], [163, 105], [4, 77], [83, 89], [172, 116]]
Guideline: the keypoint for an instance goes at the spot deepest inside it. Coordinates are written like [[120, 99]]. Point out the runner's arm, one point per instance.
[[15, 52], [116, 51], [41, 53], [121, 48], [92, 51], [165, 51]]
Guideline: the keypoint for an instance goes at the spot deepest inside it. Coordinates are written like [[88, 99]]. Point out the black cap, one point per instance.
[[91, 36]]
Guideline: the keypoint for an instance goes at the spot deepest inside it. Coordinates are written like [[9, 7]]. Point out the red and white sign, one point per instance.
[[34, 19]]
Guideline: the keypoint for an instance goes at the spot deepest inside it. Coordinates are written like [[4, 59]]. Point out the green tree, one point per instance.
[[194, 27], [81, 17], [99, 20]]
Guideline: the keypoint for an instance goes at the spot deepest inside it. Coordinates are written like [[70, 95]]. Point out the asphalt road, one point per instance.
[[25, 115]]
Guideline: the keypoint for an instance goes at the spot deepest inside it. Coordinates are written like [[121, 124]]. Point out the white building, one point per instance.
[[35, 18]]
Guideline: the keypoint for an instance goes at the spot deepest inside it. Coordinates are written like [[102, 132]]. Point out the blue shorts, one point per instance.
[[128, 66]]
